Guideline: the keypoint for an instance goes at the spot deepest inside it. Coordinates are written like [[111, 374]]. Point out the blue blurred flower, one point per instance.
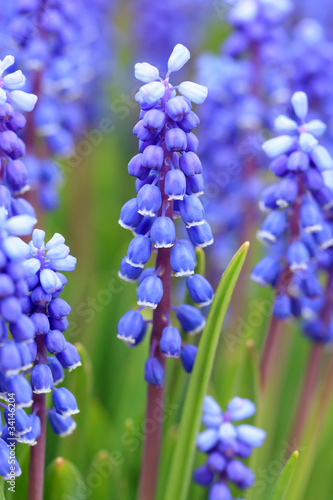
[[225, 444]]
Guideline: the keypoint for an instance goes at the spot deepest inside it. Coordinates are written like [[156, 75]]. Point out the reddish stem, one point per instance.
[[272, 343], [308, 390], [156, 394], [312, 370], [37, 453], [270, 350]]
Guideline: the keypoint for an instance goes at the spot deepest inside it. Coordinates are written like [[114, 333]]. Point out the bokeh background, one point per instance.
[[106, 448]]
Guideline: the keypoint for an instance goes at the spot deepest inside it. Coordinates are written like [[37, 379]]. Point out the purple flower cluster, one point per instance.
[[32, 315], [153, 21], [226, 445], [62, 47], [300, 204], [12, 148], [37, 318], [311, 55], [168, 183], [257, 26], [234, 116], [17, 350]]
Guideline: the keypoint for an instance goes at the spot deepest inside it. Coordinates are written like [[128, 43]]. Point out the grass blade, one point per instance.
[[180, 474], [281, 488]]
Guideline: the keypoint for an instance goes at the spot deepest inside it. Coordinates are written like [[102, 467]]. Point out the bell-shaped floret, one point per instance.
[[163, 232], [171, 342], [150, 292], [191, 319], [139, 251], [130, 326], [182, 260], [187, 355], [154, 372], [200, 290], [175, 140], [64, 402], [69, 357], [201, 236], [192, 211], [41, 379], [175, 185], [149, 200], [298, 256]]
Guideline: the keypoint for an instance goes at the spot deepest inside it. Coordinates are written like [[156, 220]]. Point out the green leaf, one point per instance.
[[200, 268], [282, 486], [182, 462], [63, 480], [2, 483]]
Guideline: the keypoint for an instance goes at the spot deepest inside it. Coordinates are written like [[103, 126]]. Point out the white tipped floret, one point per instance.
[[145, 72], [179, 56]]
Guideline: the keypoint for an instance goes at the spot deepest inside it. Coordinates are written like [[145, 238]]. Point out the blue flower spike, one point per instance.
[[168, 183]]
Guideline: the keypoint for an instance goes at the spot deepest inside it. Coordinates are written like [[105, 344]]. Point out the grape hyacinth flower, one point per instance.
[[37, 317], [62, 48], [12, 148], [318, 313], [310, 53], [33, 317], [49, 312], [10, 85], [169, 183], [226, 445], [153, 21], [295, 228], [236, 111], [17, 349]]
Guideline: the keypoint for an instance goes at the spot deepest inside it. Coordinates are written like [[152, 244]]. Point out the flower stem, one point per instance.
[[156, 394], [155, 397], [37, 452], [270, 349], [308, 391], [312, 370], [272, 343]]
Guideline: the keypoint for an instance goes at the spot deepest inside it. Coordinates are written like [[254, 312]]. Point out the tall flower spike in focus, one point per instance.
[[226, 445], [169, 183]]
